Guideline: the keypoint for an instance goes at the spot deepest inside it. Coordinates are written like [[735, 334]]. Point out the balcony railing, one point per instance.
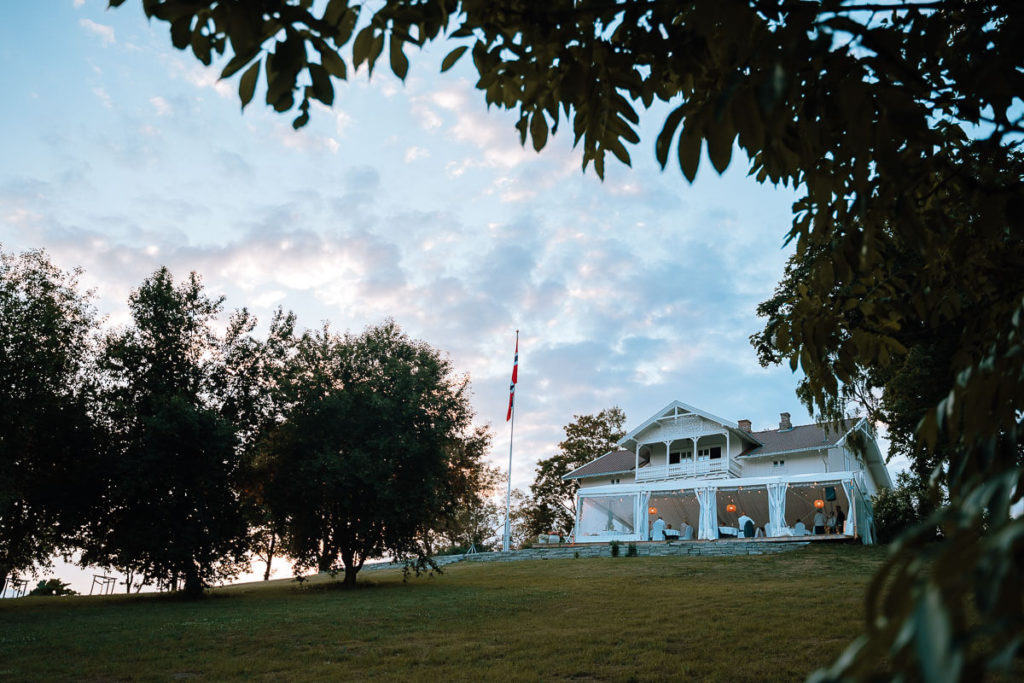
[[702, 468]]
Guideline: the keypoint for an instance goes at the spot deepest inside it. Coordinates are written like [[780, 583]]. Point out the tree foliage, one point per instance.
[[52, 587], [47, 444], [587, 437], [900, 508], [375, 453], [897, 121], [171, 510], [250, 381]]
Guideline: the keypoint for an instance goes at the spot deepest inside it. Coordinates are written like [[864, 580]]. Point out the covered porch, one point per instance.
[[710, 509]]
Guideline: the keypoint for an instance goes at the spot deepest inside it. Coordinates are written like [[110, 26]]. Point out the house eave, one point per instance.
[[599, 474]]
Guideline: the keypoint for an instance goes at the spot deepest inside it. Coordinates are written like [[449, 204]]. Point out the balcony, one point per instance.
[[711, 469]]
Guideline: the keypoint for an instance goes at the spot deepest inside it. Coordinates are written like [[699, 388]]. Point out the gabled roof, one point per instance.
[[773, 442], [689, 409], [801, 438], [613, 462]]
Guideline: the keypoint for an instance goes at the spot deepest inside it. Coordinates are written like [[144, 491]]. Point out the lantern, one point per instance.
[[819, 503], [730, 508], [652, 510]]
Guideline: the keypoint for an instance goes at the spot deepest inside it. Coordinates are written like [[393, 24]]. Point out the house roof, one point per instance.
[[773, 442], [613, 462], [801, 438], [686, 408]]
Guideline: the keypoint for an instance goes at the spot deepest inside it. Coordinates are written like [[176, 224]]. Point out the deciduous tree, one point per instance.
[[47, 441], [375, 453], [171, 512], [587, 437]]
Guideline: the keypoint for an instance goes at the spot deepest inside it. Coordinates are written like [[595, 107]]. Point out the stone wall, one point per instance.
[[693, 548]]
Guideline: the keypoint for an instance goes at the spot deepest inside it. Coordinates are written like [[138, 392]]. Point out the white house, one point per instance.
[[686, 465]]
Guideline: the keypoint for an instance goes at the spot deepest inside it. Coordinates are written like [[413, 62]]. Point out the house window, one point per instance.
[[678, 457], [778, 463], [709, 453]]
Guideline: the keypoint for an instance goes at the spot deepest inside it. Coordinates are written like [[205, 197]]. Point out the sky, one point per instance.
[[411, 201]]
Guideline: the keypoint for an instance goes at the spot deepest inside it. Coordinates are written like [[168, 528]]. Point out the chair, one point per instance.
[[799, 529], [748, 530], [687, 535]]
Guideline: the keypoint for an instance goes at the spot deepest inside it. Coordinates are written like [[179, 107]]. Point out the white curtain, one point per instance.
[[707, 497], [777, 508], [642, 527], [865, 518]]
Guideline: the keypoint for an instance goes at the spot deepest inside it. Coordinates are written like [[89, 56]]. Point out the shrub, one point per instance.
[[53, 587], [631, 550], [615, 548]]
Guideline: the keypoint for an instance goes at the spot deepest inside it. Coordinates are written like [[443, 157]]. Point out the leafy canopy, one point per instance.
[[375, 455], [587, 437], [171, 510], [47, 442]]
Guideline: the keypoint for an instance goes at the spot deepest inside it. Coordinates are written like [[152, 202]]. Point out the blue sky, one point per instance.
[[411, 201]]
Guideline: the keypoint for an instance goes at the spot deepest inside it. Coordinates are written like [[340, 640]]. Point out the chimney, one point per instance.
[[784, 423], [745, 425]]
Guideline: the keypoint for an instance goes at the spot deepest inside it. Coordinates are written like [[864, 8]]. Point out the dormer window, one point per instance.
[[778, 463]]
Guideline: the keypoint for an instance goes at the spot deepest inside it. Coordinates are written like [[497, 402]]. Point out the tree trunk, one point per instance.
[[350, 575], [3, 580], [270, 555], [193, 585], [351, 568]]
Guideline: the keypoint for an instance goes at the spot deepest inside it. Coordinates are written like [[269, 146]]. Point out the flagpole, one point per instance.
[[506, 546]]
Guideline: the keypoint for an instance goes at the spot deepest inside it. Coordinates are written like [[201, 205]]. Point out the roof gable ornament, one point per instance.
[[685, 417]]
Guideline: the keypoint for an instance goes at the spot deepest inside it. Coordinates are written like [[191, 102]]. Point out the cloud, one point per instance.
[[103, 96], [102, 31], [201, 77], [161, 106], [413, 153], [303, 140], [77, 3]]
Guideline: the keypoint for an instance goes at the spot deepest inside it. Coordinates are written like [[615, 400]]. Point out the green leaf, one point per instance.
[[361, 46], [720, 145], [399, 62], [452, 57], [322, 88], [539, 131], [668, 131], [181, 32], [237, 62], [247, 84], [689, 151], [335, 10], [333, 62]]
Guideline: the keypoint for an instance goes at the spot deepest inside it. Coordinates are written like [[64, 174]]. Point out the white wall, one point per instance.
[[807, 462], [591, 482]]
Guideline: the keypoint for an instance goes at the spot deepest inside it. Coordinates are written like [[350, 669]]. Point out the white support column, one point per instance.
[[668, 450], [636, 465], [728, 455], [694, 440]]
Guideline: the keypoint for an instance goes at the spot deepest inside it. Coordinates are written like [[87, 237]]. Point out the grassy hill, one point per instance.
[[771, 617]]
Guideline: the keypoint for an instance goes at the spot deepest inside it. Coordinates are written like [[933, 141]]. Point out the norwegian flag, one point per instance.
[[515, 378]]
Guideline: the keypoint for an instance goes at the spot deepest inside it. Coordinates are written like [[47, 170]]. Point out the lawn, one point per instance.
[[769, 617]]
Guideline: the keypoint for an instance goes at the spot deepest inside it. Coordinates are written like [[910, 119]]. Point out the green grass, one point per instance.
[[772, 617]]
